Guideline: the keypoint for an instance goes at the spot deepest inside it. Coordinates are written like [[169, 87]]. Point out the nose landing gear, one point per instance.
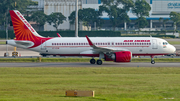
[[152, 60]]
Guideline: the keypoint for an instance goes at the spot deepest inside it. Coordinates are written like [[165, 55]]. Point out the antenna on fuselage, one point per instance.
[[150, 36]]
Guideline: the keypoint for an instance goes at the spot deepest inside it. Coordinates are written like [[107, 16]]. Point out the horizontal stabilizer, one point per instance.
[[25, 43]]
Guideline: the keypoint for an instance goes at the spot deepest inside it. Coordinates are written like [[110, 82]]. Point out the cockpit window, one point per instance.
[[165, 43]]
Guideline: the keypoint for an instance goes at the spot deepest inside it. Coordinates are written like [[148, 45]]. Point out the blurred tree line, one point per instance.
[[6, 5]]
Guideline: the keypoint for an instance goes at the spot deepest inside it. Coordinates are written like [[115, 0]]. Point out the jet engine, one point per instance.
[[122, 56]]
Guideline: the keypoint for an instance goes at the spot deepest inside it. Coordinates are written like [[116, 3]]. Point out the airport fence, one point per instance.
[[161, 34]]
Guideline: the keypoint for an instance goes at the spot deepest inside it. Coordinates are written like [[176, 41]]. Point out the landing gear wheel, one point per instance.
[[152, 62], [92, 61], [44, 55], [99, 62]]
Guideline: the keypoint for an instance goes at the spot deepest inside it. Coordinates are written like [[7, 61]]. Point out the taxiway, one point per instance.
[[86, 64]]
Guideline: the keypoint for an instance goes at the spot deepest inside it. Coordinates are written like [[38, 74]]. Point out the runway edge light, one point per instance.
[[80, 93]]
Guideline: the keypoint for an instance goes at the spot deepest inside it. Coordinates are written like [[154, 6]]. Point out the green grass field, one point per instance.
[[82, 59], [109, 84], [174, 42], [2, 42]]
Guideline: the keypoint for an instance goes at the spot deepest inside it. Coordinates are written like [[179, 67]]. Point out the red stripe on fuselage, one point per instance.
[[98, 46], [97, 55]]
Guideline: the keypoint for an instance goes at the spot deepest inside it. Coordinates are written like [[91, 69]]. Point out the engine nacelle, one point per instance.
[[122, 56]]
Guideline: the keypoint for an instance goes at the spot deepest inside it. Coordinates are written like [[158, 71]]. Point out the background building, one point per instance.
[[40, 6], [159, 8], [66, 7]]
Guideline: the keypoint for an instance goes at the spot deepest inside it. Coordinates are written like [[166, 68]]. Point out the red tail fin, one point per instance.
[[23, 30]]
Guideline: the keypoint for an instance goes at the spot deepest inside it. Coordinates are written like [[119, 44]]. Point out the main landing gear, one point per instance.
[[152, 60], [93, 61], [99, 62]]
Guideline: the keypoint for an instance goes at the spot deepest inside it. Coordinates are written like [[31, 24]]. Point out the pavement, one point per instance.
[[21, 52], [87, 64], [28, 53]]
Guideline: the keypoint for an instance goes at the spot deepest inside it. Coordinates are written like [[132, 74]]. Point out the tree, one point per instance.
[[141, 10], [39, 17], [72, 17], [73, 14], [6, 5], [175, 17], [163, 21], [99, 22], [117, 10], [56, 18], [142, 22], [90, 16], [87, 16], [160, 19]]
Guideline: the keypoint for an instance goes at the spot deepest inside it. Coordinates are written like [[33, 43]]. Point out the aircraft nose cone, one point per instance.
[[173, 49]]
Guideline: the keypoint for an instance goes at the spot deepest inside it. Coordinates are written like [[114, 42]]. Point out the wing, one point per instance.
[[104, 49]]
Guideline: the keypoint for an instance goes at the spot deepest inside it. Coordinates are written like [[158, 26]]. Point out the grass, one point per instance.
[[82, 59], [109, 84], [2, 42], [174, 42], [156, 59]]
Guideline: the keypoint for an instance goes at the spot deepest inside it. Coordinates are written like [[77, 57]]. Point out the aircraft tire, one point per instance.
[[152, 62], [92, 61], [44, 55], [99, 62]]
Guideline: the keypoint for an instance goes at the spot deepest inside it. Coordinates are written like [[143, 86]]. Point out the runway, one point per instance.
[[22, 52], [87, 64]]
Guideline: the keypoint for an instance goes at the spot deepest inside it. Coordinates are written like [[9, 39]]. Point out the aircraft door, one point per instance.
[[154, 44], [43, 44]]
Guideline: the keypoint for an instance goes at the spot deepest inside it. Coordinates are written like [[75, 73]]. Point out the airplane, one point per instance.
[[117, 49]]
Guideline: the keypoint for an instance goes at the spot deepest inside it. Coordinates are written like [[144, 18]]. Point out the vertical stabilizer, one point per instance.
[[23, 30]]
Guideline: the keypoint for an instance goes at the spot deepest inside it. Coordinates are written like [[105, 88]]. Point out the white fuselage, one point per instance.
[[73, 46]]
